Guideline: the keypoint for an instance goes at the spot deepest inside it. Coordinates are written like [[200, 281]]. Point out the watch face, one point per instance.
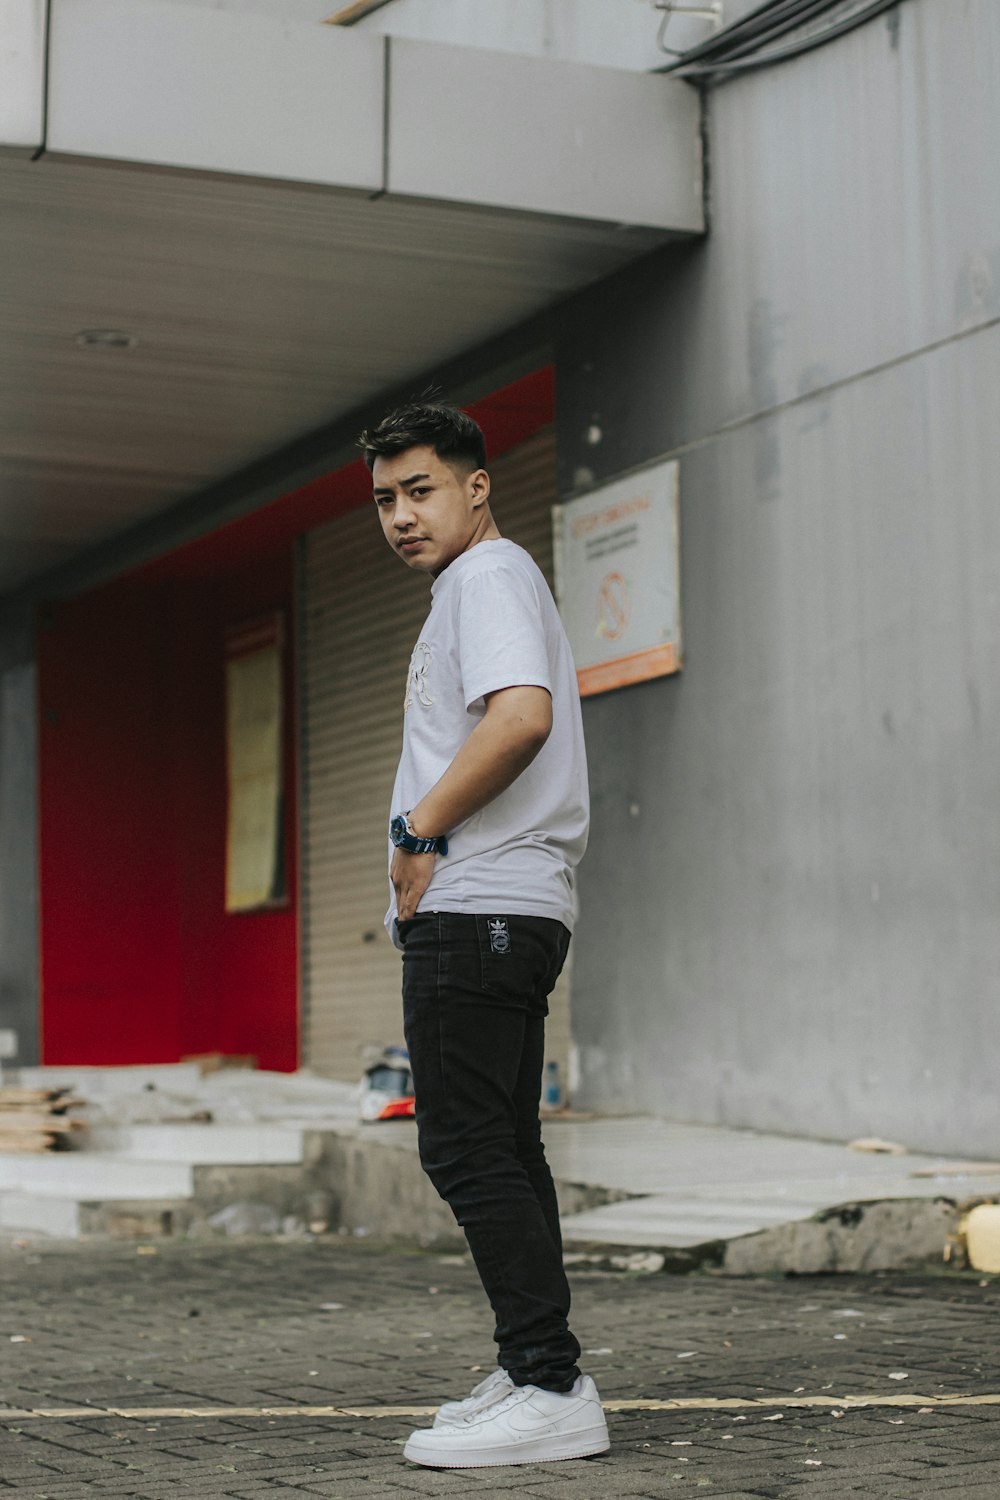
[[397, 828]]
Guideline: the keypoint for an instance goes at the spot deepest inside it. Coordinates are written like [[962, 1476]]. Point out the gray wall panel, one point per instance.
[[187, 87], [567, 146], [18, 856], [22, 75], [791, 906]]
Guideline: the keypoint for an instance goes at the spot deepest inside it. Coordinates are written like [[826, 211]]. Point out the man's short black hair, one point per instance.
[[452, 433]]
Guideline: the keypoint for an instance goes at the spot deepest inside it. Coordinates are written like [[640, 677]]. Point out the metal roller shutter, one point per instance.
[[360, 615]]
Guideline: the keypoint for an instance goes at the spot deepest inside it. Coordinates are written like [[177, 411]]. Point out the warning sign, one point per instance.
[[617, 579]]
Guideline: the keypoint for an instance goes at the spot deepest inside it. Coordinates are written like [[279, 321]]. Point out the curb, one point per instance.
[[889, 1234]]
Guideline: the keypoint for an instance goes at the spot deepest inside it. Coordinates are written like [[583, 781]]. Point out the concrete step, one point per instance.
[[688, 1195], [193, 1142], [152, 1179], [35, 1213], [107, 1081], [366, 1181], [677, 1223], [88, 1175]]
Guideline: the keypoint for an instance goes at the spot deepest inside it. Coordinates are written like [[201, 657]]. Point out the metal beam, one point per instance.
[[351, 14]]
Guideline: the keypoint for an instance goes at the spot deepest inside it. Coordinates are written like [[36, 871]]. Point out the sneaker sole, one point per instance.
[[585, 1444]]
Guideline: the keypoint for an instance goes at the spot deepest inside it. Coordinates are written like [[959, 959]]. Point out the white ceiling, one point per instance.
[[262, 310]]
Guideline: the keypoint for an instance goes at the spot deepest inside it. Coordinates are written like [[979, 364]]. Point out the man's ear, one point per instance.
[[479, 487]]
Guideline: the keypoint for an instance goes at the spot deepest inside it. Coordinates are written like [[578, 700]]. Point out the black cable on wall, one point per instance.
[[749, 43]]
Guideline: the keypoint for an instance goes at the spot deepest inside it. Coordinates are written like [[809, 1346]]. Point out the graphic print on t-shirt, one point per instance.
[[416, 677]]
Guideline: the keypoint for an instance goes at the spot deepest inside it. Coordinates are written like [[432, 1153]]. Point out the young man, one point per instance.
[[489, 818]]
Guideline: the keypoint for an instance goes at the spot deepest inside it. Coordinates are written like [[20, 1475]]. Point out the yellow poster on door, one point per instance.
[[254, 833]]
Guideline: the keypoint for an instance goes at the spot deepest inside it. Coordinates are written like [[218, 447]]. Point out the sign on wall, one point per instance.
[[617, 579]]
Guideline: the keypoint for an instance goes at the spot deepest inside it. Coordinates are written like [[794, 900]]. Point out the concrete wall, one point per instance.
[[18, 860], [614, 33], [617, 33], [791, 911]]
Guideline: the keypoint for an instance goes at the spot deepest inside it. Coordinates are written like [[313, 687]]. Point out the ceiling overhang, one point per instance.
[[286, 220]]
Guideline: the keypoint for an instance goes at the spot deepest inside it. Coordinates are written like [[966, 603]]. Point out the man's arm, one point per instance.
[[515, 726]]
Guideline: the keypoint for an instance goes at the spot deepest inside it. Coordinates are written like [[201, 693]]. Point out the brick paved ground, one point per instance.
[[241, 1324]]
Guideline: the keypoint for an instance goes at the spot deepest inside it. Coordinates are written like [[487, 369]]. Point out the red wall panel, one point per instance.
[[108, 853], [140, 961]]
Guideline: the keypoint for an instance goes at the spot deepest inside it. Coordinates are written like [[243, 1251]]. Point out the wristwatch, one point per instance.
[[403, 836]]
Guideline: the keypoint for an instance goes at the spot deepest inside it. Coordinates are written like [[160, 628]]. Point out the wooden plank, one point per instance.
[[53, 1111], [11, 1141], [11, 1095], [23, 1119]]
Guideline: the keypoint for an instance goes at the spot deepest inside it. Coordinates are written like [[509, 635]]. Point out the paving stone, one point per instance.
[[108, 1327]]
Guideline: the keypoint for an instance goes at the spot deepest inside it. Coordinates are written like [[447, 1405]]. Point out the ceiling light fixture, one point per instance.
[[107, 338]]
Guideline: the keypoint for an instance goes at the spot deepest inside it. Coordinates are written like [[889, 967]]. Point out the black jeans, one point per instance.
[[475, 997]]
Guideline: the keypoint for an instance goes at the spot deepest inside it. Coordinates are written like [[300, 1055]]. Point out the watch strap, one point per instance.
[[403, 836]]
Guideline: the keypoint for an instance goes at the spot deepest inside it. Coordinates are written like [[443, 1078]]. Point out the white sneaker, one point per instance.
[[493, 1388], [529, 1425]]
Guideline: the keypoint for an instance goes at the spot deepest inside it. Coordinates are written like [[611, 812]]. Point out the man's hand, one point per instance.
[[410, 875]]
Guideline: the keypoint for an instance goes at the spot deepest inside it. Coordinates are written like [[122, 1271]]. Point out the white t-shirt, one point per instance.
[[493, 624]]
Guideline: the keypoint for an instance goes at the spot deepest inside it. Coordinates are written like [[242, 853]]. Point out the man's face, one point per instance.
[[430, 512]]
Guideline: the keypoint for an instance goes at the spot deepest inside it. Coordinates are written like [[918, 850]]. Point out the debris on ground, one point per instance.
[[386, 1090], [874, 1143], [214, 1062], [246, 1218], [643, 1262], [981, 1233]]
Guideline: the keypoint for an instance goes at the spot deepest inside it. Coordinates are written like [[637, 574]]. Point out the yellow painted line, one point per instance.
[[640, 1404], [722, 1403]]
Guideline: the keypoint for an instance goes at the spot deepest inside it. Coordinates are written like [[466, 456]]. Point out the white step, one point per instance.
[[40, 1215], [215, 1145], [93, 1175], [660, 1220], [93, 1082]]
